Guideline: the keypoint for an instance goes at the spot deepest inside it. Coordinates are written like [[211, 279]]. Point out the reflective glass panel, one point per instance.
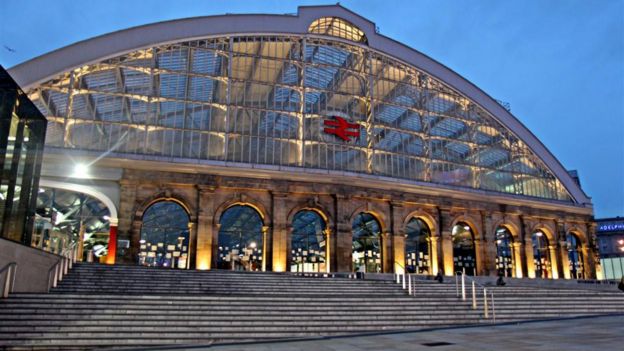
[[366, 245], [417, 244], [309, 244], [575, 258], [504, 252], [464, 257], [164, 236], [240, 244], [541, 255]]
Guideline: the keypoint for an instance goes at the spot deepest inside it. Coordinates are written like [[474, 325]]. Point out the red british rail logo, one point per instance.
[[342, 129]]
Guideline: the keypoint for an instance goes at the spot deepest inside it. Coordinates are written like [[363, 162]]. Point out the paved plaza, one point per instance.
[[593, 333]]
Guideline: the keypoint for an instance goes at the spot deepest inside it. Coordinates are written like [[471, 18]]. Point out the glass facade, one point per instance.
[[270, 99], [165, 236], [366, 244], [240, 242], [575, 258], [541, 255], [504, 252], [417, 247], [22, 134], [464, 256], [309, 243]]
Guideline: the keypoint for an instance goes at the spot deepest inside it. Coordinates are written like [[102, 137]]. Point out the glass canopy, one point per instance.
[[269, 99]]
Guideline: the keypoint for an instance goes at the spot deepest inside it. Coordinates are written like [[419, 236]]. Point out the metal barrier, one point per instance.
[[9, 278], [460, 281]]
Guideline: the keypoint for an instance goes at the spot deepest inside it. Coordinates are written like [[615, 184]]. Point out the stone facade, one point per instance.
[[205, 197]]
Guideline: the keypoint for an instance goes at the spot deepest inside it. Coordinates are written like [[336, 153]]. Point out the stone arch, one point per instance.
[[544, 228], [580, 234], [243, 201], [316, 207], [426, 217], [470, 221], [513, 229], [373, 210], [166, 196]]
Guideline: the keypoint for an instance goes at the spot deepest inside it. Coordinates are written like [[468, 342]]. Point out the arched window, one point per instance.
[[417, 247], [308, 243], [240, 242], [337, 27], [366, 245], [464, 257], [165, 236], [504, 252], [541, 255], [574, 257]]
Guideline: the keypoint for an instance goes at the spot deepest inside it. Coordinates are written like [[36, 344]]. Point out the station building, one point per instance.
[[303, 142]]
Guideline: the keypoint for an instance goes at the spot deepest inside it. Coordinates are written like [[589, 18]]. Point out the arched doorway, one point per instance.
[[575, 258], [464, 256], [366, 244], [417, 247], [308, 243], [541, 255], [164, 236], [504, 252], [240, 242]]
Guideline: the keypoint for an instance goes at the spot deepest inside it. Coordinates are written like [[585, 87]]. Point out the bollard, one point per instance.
[[403, 280], [485, 304], [409, 282], [463, 287], [474, 296]]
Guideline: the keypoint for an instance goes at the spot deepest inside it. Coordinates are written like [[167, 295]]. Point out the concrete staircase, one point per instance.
[[98, 306], [122, 306]]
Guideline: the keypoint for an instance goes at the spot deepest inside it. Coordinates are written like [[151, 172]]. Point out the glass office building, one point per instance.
[[305, 142]]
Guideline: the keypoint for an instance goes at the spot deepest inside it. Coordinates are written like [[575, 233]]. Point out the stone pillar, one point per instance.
[[564, 259], [591, 257], [517, 259], [112, 241], [81, 234], [529, 258], [329, 240], [397, 263], [554, 262], [343, 241], [399, 252], [127, 199], [444, 223], [191, 252], [487, 265], [434, 254], [281, 238], [205, 251], [386, 252]]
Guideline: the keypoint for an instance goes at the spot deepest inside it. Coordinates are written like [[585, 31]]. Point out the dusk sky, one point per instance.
[[560, 64]]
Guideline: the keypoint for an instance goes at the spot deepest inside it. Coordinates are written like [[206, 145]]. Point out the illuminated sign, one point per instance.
[[610, 226], [341, 128]]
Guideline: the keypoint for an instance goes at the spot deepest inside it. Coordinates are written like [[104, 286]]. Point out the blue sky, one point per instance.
[[560, 63]]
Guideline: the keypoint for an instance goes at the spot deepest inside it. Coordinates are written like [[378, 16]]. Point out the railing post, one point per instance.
[[456, 285], [485, 304], [493, 309], [403, 280], [398, 278], [474, 296], [7, 284], [463, 281], [409, 284]]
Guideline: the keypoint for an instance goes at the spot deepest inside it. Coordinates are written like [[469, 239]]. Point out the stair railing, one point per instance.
[[9, 278], [62, 267], [460, 284]]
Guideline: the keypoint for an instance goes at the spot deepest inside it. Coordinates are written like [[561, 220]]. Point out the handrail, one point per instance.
[[474, 294], [406, 282], [9, 280], [56, 274]]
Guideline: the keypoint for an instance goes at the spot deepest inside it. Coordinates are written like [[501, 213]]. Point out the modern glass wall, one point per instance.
[[312, 102], [22, 134]]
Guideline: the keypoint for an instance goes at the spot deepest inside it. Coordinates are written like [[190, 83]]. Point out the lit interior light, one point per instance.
[[252, 245], [621, 241], [106, 218], [466, 227], [81, 170], [41, 190], [538, 234]]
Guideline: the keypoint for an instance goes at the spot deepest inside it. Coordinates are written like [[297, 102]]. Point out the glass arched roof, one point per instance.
[[338, 27]]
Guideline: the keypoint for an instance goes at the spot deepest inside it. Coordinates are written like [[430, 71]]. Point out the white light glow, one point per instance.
[[81, 171], [252, 245]]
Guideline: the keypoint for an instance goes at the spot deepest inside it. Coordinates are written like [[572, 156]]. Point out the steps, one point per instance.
[[99, 306]]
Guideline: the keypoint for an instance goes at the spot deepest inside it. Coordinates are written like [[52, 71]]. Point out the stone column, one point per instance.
[[529, 258], [560, 257], [444, 223], [434, 255], [591, 257], [517, 259], [554, 262], [480, 260], [399, 252], [397, 263], [205, 237], [564, 259], [386, 252], [328, 250], [343, 241], [265, 247], [487, 265], [280, 233], [127, 199]]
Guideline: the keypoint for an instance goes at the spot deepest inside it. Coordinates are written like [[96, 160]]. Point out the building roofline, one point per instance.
[[37, 70]]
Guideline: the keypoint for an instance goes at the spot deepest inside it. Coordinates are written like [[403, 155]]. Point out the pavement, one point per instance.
[[586, 333]]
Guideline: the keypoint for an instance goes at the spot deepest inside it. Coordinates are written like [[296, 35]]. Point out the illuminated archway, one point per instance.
[[308, 242], [575, 258], [417, 247], [504, 252], [464, 255], [164, 236], [241, 240], [366, 244], [541, 255]]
